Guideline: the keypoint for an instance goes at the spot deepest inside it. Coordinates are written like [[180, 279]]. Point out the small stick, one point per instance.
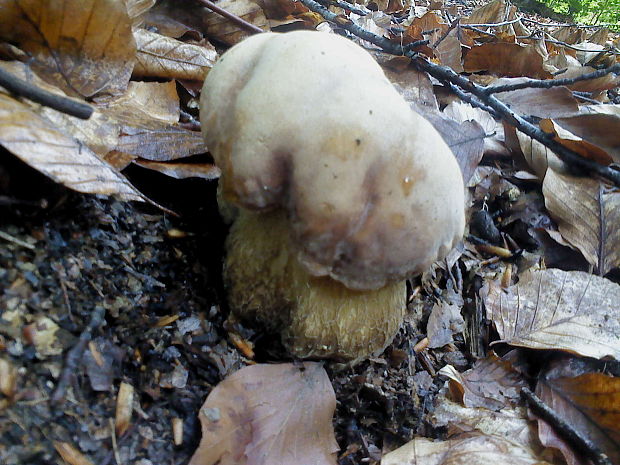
[[564, 429], [14, 240], [242, 23], [63, 104]]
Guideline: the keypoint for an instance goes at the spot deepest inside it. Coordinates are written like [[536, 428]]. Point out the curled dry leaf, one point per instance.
[[269, 414], [492, 383], [510, 422], [165, 57], [182, 170], [223, 30], [92, 53], [588, 216], [477, 448], [506, 60], [444, 322], [537, 156], [561, 310], [575, 143], [40, 144], [589, 403], [554, 102], [609, 81], [71, 454], [124, 408]]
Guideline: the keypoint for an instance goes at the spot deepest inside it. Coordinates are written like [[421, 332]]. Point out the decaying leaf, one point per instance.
[[609, 81], [415, 86], [37, 142], [554, 102], [182, 170], [269, 414], [588, 216], [504, 59], [165, 57], [589, 403], [477, 448], [538, 156], [91, 53], [444, 322], [509, 422], [575, 143], [493, 383], [562, 310], [223, 30]]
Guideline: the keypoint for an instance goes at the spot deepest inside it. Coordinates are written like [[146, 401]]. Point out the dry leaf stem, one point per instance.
[[24, 89], [451, 78]]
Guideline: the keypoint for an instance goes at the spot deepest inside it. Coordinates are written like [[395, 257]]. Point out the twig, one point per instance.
[[63, 104], [14, 240], [350, 7], [448, 76], [582, 26], [504, 23], [547, 84], [74, 356], [564, 429], [242, 23]]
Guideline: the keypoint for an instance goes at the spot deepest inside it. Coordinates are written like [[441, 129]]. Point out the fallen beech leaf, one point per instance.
[[600, 127], [415, 86], [510, 422], [609, 81], [182, 170], [223, 30], [589, 403], [554, 102], [560, 310], [70, 454], [448, 52], [493, 383], [539, 157], [506, 60], [165, 57], [588, 217], [570, 34], [444, 322], [37, 142], [90, 52], [477, 448], [269, 414], [575, 143], [492, 12]]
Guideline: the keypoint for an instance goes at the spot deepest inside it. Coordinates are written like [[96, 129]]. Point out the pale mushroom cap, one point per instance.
[[308, 122]]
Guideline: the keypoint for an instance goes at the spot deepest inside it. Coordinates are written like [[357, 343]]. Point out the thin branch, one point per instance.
[[504, 23], [350, 7], [242, 23], [582, 26], [548, 83], [24, 89], [448, 76], [564, 429]]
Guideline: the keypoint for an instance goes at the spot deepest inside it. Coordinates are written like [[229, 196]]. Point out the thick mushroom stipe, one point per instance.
[[307, 126], [317, 316]]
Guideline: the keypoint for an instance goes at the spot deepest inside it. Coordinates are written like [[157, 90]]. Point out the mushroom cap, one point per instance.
[[308, 122]]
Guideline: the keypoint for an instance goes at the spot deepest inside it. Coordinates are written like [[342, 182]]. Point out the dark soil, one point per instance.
[[68, 259]]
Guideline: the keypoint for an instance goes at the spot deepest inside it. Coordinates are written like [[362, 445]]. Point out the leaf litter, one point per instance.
[[424, 391]]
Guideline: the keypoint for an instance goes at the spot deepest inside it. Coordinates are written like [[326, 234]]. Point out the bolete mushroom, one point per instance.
[[340, 191]]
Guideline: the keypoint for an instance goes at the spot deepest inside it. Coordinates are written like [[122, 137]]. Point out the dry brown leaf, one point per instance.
[[589, 403], [600, 127], [165, 57], [466, 139], [269, 414], [570, 34], [609, 81], [493, 383], [510, 422], [92, 53], [448, 52], [182, 170], [415, 86], [575, 143], [493, 12], [40, 144], [538, 156], [475, 448], [554, 102], [71, 454], [561, 310], [444, 322], [504, 59], [588, 216], [223, 30]]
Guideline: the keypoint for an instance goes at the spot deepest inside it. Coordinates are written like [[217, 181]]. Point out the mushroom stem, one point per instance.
[[318, 317]]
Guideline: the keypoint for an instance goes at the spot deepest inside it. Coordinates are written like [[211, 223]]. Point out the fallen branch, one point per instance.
[[451, 78], [578, 442], [63, 104]]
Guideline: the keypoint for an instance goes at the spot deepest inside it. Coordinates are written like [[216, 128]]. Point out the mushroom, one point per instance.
[[338, 191]]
